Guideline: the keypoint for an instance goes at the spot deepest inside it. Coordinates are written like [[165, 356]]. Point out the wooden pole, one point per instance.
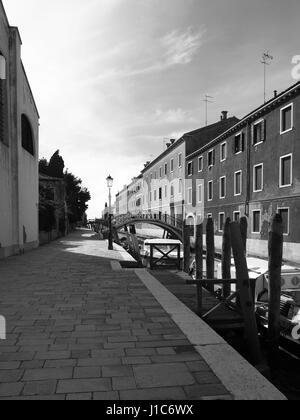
[[245, 295], [244, 231], [199, 265], [226, 258], [275, 266], [186, 248], [210, 251]]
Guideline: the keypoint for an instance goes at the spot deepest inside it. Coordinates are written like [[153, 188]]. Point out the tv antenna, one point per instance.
[[266, 61], [207, 101]]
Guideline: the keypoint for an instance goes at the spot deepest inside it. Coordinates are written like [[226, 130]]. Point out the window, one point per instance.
[[200, 164], [190, 169], [258, 132], [223, 151], [172, 190], [200, 193], [27, 135], [180, 160], [223, 187], [221, 221], [155, 195], [166, 169], [238, 179], [286, 171], [258, 178], [166, 191], [236, 216], [190, 196], [239, 143], [256, 221], [160, 194], [161, 172], [210, 191], [286, 119], [285, 214], [211, 158], [172, 165]]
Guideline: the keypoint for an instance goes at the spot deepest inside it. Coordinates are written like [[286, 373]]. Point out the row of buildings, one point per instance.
[[19, 140], [233, 168]]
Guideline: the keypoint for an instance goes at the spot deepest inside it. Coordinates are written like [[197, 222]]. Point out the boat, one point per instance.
[[289, 308], [168, 248]]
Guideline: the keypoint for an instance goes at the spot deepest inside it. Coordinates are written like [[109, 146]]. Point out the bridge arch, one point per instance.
[[172, 226]]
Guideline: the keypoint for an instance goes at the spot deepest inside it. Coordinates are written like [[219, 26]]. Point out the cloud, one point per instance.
[[182, 47], [173, 116], [173, 49]]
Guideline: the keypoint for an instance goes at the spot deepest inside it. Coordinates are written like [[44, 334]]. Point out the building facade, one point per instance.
[[253, 170], [166, 188], [19, 131]]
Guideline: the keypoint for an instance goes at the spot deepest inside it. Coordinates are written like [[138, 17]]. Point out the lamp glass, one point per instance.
[[110, 181]]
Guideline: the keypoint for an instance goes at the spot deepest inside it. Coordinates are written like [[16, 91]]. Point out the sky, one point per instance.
[[113, 79]]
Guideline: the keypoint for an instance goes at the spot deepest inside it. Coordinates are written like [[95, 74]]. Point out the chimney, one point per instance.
[[224, 115], [169, 145], [275, 93], [173, 141]]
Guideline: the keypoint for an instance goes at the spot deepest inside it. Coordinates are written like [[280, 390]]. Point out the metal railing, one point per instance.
[[174, 221]]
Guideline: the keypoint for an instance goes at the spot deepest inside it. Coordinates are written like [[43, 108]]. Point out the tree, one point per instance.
[[56, 166], [76, 197], [43, 166]]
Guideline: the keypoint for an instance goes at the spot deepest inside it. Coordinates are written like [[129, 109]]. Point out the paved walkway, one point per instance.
[[78, 330]]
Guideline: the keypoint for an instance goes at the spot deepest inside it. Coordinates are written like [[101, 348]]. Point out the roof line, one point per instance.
[[25, 74], [248, 116]]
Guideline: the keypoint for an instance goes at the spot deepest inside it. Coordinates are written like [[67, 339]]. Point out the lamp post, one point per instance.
[[110, 182]]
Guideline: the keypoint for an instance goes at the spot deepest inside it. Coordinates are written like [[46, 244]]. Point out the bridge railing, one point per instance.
[[175, 221]]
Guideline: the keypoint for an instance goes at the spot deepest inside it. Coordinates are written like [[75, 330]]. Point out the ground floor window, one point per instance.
[[236, 216], [285, 214], [221, 222], [256, 221]]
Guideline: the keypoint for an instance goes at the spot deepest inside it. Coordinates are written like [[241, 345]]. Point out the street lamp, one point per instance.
[[110, 183]]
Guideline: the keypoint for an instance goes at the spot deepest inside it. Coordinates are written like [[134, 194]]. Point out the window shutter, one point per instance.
[[214, 157]]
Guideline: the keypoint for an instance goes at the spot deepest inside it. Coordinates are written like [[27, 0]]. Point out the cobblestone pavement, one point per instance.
[[77, 330]]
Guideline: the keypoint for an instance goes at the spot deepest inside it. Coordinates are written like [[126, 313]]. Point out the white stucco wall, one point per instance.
[[19, 193]]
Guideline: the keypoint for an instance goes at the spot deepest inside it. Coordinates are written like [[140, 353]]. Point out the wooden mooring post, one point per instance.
[[226, 258], [245, 295], [244, 231], [186, 248], [275, 268], [199, 265], [210, 252]]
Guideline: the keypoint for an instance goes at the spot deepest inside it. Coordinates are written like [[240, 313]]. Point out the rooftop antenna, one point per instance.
[[266, 61], [207, 101]]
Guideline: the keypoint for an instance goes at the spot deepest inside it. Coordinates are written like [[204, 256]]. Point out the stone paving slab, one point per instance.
[[79, 330]]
